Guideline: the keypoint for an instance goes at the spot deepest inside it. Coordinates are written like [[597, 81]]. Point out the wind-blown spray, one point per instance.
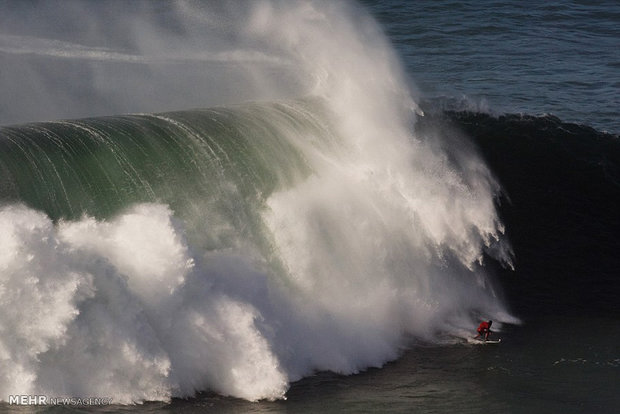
[[238, 248]]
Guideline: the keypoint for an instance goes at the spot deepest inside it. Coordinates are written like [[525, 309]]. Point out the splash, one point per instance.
[[267, 241]]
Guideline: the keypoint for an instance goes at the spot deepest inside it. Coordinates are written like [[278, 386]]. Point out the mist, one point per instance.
[[76, 59]]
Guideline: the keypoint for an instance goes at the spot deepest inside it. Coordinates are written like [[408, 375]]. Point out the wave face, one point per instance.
[[563, 183], [239, 248]]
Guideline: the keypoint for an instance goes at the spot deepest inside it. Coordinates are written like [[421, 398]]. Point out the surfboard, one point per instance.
[[483, 342]]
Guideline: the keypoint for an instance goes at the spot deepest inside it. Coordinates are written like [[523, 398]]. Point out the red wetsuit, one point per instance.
[[483, 328]]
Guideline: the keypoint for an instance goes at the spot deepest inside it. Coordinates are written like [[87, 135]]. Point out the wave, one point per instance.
[[242, 247], [231, 249]]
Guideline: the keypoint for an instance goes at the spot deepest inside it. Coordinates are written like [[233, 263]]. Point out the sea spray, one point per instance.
[[241, 247], [108, 331]]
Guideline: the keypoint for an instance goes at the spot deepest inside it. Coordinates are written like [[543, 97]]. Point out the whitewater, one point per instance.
[[295, 225]]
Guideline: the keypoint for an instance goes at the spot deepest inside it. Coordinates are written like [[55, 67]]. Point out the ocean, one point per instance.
[[309, 206]]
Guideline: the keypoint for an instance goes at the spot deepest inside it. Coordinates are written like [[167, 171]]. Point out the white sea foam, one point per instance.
[[81, 318], [87, 312]]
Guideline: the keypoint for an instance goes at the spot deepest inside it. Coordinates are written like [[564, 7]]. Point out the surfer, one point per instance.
[[484, 329]]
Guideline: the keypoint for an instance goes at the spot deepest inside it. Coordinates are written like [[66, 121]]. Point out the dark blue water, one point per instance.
[[557, 57]]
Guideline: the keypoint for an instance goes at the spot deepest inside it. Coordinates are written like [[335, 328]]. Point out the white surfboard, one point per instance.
[[483, 342]]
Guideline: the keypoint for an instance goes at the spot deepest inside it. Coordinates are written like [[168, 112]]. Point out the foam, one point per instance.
[[86, 312]]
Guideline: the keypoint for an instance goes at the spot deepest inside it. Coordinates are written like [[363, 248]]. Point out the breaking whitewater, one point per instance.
[[238, 248]]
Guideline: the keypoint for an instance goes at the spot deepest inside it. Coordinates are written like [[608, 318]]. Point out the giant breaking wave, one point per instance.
[[241, 247]]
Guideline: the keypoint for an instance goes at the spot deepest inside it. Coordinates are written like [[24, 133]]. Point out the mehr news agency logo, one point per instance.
[[26, 399]]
